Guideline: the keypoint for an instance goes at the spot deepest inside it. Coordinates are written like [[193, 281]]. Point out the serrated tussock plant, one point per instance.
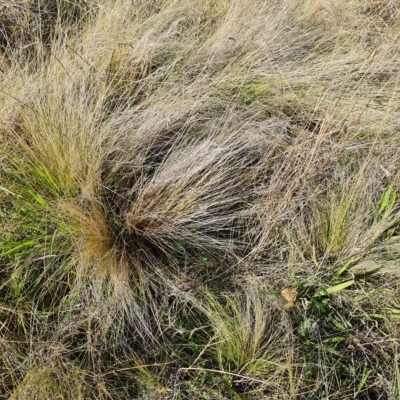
[[169, 170]]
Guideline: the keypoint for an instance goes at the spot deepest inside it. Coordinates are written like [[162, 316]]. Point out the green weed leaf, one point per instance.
[[386, 202], [333, 289]]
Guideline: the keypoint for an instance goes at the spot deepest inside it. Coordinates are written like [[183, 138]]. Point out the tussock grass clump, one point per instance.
[[28, 28], [168, 169]]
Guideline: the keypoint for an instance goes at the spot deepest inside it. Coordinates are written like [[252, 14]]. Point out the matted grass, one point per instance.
[[168, 168]]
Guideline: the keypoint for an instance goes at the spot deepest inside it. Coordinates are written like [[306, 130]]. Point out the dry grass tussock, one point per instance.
[[168, 167]]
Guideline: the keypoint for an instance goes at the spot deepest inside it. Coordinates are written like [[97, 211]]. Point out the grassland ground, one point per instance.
[[199, 199]]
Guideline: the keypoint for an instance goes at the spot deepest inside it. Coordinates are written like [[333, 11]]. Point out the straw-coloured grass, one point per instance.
[[169, 170]]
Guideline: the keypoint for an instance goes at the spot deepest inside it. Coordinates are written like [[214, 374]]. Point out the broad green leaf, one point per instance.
[[334, 289], [386, 202]]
